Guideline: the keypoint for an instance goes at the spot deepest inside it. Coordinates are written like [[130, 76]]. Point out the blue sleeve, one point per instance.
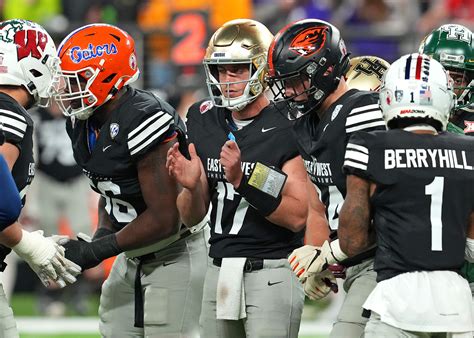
[[10, 202]]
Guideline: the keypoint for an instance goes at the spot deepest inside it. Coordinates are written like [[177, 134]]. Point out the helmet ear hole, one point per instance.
[[36, 73], [109, 78]]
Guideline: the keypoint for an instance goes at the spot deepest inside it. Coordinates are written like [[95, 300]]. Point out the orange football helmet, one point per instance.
[[97, 60]]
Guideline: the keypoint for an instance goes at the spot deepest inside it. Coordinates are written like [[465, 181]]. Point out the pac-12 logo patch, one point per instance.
[[205, 106], [309, 41], [114, 130]]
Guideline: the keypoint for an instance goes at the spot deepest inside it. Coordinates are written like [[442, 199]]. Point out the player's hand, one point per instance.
[[230, 160], [330, 253], [88, 254], [318, 286], [46, 258], [300, 259], [186, 172]]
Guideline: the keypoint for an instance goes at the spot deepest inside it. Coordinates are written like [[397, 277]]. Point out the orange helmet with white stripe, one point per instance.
[[97, 61]]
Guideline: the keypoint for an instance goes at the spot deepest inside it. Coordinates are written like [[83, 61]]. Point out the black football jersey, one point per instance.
[[322, 144], [55, 156], [18, 128], [423, 199], [140, 122], [465, 120], [237, 229]]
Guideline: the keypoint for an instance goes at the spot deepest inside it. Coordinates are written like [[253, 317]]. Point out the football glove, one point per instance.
[[318, 286], [46, 258], [329, 253], [90, 254], [301, 257]]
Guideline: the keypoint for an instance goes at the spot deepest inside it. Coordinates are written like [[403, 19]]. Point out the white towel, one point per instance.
[[230, 296]]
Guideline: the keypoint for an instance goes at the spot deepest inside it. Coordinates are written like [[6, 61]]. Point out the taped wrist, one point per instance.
[[105, 247], [264, 203], [102, 232]]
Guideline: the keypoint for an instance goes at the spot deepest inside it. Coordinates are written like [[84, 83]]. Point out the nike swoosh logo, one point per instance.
[[270, 283], [107, 147], [169, 263], [265, 130]]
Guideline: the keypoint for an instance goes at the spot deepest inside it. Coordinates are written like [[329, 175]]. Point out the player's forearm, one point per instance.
[[317, 228], [11, 235], [354, 218], [148, 228], [290, 214], [192, 206]]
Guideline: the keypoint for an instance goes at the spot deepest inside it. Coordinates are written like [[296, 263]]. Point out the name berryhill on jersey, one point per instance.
[[426, 158]]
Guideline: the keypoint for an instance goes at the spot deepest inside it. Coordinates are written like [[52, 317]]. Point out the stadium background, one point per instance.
[[171, 37]]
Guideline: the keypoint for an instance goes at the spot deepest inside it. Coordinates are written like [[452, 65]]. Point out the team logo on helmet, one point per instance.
[[309, 41], [8, 30], [78, 54], [133, 61], [114, 130]]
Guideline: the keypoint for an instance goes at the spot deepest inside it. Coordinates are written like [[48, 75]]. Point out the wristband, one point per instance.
[[263, 189], [105, 247]]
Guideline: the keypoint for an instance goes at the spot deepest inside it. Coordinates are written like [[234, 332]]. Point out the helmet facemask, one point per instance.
[[315, 83], [76, 99], [464, 88], [221, 91]]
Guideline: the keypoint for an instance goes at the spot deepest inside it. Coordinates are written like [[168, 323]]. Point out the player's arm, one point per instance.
[[290, 208], [354, 218], [317, 226], [292, 211], [43, 255], [317, 232], [104, 226], [469, 252], [193, 200], [159, 221]]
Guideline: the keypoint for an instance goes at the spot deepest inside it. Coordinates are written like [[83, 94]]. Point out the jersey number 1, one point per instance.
[[435, 190]]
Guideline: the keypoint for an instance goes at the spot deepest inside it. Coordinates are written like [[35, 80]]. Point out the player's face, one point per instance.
[[460, 81], [296, 87], [74, 88], [233, 79]]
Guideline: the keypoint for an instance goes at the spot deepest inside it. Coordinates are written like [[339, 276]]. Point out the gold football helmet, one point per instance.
[[241, 41], [365, 72]]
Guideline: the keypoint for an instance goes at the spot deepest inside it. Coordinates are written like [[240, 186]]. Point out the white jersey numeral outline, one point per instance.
[[225, 191], [435, 190]]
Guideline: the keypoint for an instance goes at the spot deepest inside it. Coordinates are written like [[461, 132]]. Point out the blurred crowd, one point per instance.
[[172, 35]]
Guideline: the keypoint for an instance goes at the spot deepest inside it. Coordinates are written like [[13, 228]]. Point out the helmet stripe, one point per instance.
[[418, 67], [407, 68]]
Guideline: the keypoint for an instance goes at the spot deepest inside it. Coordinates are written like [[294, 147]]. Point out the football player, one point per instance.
[[413, 183], [120, 136], [245, 164], [307, 64], [29, 73], [452, 45], [10, 203]]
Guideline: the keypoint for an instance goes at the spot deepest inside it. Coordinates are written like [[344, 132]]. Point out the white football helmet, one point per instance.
[[28, 58], [416, 89], [240, 41]]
